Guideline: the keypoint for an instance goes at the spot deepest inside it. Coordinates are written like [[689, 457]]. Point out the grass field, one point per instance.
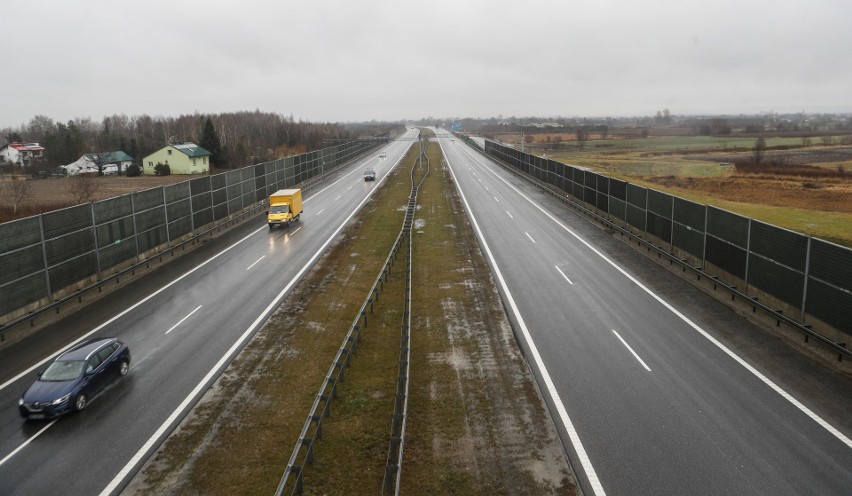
[[56, 192], [657, 144], [808, 190]]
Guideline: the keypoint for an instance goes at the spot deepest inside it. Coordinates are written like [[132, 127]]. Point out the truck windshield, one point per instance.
[[279, 209]]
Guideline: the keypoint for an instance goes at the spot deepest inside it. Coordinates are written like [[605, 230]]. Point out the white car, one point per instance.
[[383, 155]]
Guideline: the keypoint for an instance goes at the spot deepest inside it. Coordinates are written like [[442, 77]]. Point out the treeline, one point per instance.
[[698, 125], [243, 138]]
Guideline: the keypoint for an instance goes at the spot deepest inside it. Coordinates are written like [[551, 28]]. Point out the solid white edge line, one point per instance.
[[631, 350], [152, 295], [784, 394], [129, 309], [549, 386], [140, 302], [563, 275], [172, 328], [179, 411], [25, 443]]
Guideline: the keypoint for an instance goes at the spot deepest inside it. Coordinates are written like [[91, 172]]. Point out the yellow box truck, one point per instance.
[[285, 206]]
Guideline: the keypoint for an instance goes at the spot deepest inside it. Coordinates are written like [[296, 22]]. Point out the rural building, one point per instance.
[[182, 158], [21, 153], [113, 163]]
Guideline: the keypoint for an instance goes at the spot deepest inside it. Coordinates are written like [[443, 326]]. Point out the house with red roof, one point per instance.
[[21, 153]]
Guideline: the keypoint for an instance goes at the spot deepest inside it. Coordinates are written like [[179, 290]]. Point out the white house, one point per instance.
[[113, 163], [21, 153]]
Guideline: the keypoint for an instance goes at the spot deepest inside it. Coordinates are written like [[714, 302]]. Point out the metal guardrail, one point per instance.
[[808, 332], [393, 466], [312, 429]]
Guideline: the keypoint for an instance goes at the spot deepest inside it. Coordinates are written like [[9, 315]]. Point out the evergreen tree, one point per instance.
[[133, 151], [210, 142]]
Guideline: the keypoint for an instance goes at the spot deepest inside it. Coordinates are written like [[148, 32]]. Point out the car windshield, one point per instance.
[[279, 209], [63, 370]]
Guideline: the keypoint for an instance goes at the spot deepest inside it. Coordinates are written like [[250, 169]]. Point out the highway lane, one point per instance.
[[182, 331], [646, 401]]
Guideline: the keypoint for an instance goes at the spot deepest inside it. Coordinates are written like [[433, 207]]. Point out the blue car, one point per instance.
[[74, 378]]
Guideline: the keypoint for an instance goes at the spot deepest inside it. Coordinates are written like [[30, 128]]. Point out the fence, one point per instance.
[[45, 258], [804, 278]]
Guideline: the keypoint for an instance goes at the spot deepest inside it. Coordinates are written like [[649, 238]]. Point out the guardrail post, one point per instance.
[[309, 458], [354, 339], [390, 475], [318, 420], [333, 382], [326, 409], [293, 469]]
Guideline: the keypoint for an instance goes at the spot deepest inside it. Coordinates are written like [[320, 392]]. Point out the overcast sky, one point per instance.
[[362, 60]]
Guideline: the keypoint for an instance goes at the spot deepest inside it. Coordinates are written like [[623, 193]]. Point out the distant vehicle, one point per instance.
[[74, 378], [285, 206], [369, 175], [383, 155]]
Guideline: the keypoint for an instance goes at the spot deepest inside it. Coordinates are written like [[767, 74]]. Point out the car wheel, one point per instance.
[[80, 402], [124, 367]]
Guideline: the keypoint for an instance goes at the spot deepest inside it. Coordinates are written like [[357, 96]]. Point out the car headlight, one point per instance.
[[20, 401], [60, 400]]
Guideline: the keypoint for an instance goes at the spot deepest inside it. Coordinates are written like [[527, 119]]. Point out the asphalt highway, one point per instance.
[[655, 387], [183, 324], [643, 373]]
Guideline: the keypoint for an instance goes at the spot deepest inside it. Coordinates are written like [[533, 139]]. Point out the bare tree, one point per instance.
[[759, 150], [83, 187], [18, 190], [97, 158], [582, 136]]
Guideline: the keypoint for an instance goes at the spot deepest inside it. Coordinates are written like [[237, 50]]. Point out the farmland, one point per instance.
[[54, 193], [803, 183]]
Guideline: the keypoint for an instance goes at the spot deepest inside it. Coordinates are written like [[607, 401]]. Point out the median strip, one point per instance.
[[476, 423]]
